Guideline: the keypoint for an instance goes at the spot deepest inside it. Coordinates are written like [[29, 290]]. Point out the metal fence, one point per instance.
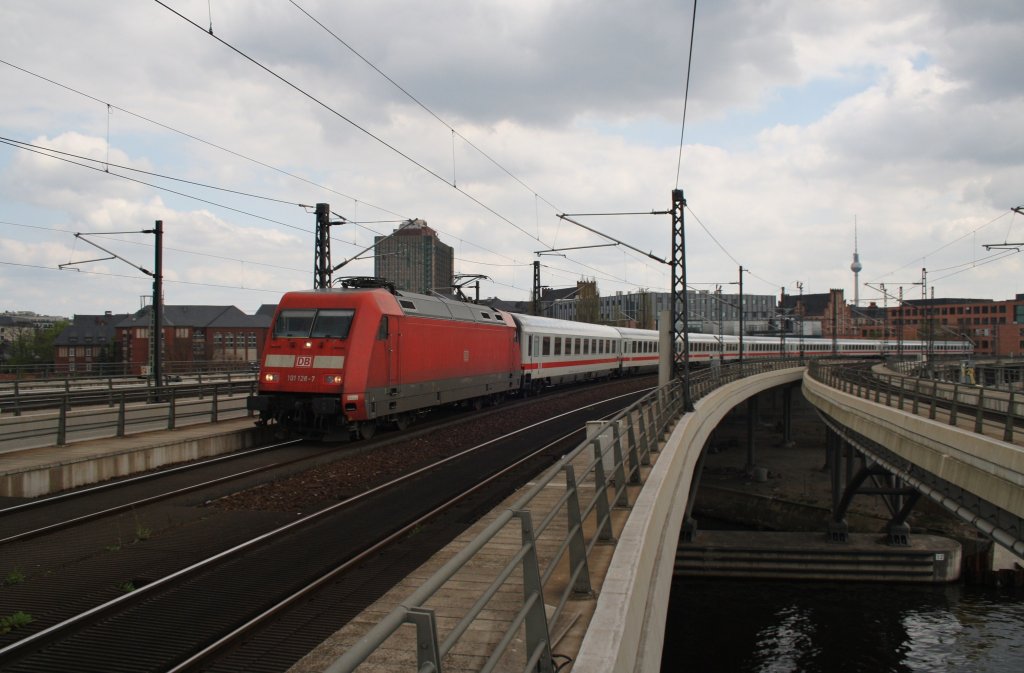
[[560, 544], [18, 387], [95, 414], [956, 401]]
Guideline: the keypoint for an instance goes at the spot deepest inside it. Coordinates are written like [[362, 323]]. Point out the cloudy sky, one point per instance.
[[488, 118]]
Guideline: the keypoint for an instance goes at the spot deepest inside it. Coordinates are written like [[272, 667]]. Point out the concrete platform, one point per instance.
[[41, 471]]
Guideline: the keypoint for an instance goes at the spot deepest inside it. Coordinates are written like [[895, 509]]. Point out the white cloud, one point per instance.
[[907, 116]]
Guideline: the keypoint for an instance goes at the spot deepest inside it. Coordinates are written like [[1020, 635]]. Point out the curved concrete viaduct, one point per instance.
[[627, 630], [976, 476], [628, 626]]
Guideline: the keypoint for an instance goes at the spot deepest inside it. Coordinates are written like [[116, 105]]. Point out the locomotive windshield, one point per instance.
[[306, 323], [333, 323]]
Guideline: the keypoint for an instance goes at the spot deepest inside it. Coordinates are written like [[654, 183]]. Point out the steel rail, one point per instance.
[[377, 547], [67, 523], [21, 648]]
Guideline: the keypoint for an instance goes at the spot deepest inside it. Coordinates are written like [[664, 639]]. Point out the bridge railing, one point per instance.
[[550, 564], [956, 401], [25, 395], [115, 412]]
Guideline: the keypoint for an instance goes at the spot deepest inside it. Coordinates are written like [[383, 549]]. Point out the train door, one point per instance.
[[388, 333]]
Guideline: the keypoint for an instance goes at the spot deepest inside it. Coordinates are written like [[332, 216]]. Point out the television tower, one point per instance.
[[856, 266]]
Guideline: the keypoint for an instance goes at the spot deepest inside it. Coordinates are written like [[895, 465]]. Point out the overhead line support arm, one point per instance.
[[651, 255]]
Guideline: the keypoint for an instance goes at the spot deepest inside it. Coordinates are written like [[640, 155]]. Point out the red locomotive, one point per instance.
[[339, 362]]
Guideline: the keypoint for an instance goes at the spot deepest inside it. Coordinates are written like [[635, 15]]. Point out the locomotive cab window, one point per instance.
[[306, 323], [332, 323], [294, 323]]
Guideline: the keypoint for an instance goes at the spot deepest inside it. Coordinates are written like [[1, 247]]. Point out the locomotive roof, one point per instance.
[[406, 303], [437, 306]]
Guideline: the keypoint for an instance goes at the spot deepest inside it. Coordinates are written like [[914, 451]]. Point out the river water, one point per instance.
[[793, 627]]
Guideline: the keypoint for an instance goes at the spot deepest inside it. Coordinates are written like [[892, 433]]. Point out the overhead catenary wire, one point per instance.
[[984, 261], [135, 277], [166, 248], [686, 93], [359, 127], [420, 103], [110, 106], [726, 251], [50, 152], [196, 138], [155, 186], [349, 121], [107, 166], [227, 150], [942, 247]]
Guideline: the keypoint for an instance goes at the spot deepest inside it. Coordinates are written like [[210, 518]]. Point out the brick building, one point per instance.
[[995, 327], [194, 336], [830, 310], [89, 345]]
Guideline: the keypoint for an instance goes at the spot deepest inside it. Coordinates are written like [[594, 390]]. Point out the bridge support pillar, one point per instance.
[[751, 419], [689, 530], [899, 535], [787, 417], [838, 531], [898, 497]]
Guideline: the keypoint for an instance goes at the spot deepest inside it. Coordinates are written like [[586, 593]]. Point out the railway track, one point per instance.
[[41, 516], [168, 617]]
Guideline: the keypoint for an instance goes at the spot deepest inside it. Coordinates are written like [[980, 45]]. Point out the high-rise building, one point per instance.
[[413, 258]]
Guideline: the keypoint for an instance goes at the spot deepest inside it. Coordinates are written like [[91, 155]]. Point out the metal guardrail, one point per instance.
[[117, 370], [118, 412], [927, 396], [130, 390], [18, 396], [634, 435]]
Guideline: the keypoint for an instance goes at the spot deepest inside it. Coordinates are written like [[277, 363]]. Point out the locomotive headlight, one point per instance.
[[332, 379], [271, 377]]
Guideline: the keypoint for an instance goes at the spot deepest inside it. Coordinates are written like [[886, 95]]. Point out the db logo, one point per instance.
[[304, 361]]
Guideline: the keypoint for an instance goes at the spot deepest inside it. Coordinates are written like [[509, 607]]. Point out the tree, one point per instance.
[[35, 347]]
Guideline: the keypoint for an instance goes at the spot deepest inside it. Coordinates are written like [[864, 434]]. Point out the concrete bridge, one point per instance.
[[975, 475], [580, 563], [963, 461]]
